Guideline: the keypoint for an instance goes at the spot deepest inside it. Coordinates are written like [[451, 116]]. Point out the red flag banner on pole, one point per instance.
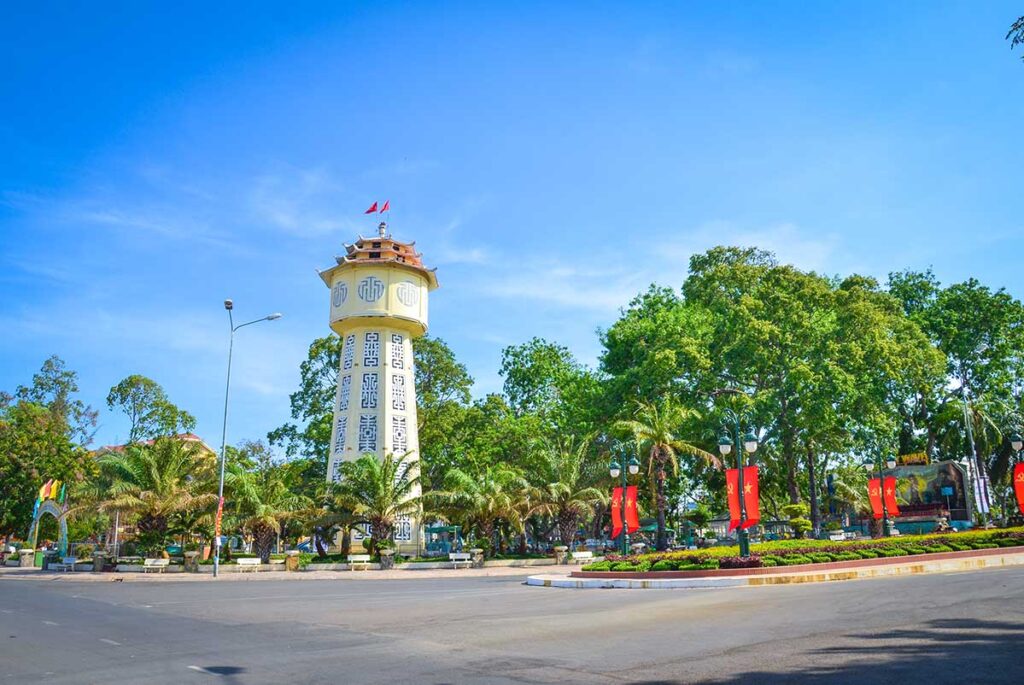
[[732, 492], [890, 496], [220, 513], [750, 497], [386, 207], [875, 496], [616, 512], [1018, 485], [372, 209], [632, 517]]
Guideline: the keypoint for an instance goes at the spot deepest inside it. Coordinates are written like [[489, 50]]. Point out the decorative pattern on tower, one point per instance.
[[378, 304]]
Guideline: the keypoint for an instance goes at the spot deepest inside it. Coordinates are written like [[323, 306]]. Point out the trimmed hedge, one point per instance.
[[794, 552]]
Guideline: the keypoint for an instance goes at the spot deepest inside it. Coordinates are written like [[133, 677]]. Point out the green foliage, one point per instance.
[[150, 413]]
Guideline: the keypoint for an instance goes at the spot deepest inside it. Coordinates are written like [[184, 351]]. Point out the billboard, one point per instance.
[[919, 488]]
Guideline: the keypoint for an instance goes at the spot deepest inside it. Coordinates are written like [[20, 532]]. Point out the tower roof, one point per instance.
[[381, 249]]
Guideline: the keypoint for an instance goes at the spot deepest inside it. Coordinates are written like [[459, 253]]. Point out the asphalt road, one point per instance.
[[951, 628]]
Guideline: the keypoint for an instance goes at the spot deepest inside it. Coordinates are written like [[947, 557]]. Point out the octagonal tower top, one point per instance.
[[379, 277]]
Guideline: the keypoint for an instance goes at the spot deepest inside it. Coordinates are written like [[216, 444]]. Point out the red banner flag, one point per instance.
[[372, 209], [890, 496], [732, 492], [1018, 485], [616, 512], [220, 514], [875, 496], [386, 206], [750, 498], [632, 517]]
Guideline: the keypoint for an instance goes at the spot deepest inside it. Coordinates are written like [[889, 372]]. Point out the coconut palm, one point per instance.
[[480, 500], [655, 425], [156, 483], [261, 503], [562, 491], [378, 492]]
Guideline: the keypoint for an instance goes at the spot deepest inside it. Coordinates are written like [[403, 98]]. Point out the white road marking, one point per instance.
[[51, 623], [203, 670], [110, 642]]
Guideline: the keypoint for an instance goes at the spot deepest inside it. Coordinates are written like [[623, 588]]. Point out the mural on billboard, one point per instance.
[[920, 488]]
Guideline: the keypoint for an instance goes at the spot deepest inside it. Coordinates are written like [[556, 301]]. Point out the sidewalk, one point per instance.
[[35, 574], [910, 567]]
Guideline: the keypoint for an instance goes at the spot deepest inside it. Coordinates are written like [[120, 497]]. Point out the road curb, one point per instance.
[[880, 571]]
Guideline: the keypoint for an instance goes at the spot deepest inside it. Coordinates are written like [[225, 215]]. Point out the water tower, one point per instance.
[[379, 292]]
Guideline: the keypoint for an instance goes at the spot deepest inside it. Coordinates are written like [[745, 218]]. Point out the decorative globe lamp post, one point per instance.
[[616, 470], [876, 463], [748, 445]]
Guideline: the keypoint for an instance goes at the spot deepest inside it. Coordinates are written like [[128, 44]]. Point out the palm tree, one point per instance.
[[563, 493], [655, 425], [156, 483], [261, 503], [480, 500], [378, 491]]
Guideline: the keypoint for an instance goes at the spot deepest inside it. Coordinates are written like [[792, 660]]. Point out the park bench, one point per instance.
[[157, 565], [457, 558], [358, 560], [66, 564], [582, 557], [248, 563], [837, 537]]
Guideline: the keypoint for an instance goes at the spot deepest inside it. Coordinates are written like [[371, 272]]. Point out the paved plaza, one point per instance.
[[957, 627]]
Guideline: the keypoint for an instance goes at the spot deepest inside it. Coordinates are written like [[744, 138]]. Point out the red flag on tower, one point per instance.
[[372, 209], [386, 207]]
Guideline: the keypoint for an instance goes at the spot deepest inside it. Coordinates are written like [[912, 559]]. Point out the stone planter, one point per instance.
[[476, 555], [99, 561], [387, 559], [192, 562], [291, 560], [561, 555], [27, 557]]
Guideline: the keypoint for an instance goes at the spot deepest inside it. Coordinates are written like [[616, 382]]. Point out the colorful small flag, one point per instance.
[[372, 209], [386, 206]]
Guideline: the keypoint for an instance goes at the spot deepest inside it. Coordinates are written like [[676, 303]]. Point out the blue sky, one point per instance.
[[550, 161]]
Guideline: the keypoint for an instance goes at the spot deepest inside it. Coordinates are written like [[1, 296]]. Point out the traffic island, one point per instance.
[[940, 562]]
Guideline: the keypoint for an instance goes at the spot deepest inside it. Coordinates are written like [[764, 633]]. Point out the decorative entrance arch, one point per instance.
[[53, 509]]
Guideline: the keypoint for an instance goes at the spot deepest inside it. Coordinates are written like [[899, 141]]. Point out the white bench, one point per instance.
[[155, 565], [358, 560], [582, 557], [837, 537], [66, 564], [457, 558], [248, 563]]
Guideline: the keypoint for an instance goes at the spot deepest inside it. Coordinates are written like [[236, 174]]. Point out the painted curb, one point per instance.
[[915, 568]]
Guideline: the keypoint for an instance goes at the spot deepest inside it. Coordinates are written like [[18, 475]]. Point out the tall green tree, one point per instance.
[[150, 413], [562, 487], [156, 483], [261, 503], [482, 499], [655, 427], [378, 491]]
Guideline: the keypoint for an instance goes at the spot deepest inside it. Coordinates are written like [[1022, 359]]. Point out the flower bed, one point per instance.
[[794, 552]]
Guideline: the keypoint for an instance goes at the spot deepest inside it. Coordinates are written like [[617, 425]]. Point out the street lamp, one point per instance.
[[228, 305], [615, 470], [725, 447], [890, 463], [1017, 443]]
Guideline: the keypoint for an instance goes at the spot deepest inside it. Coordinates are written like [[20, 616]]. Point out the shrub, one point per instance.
[[794, 559], [753, 561], [665, 565], [848, 556], [939, 548], [622, 566], [598, 566], [769, 561], [820, 557], [1007, 542]]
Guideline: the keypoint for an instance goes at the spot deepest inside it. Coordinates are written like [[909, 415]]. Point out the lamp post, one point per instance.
[[876, 462], [748, 445], [616, 470], [228, 305]]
